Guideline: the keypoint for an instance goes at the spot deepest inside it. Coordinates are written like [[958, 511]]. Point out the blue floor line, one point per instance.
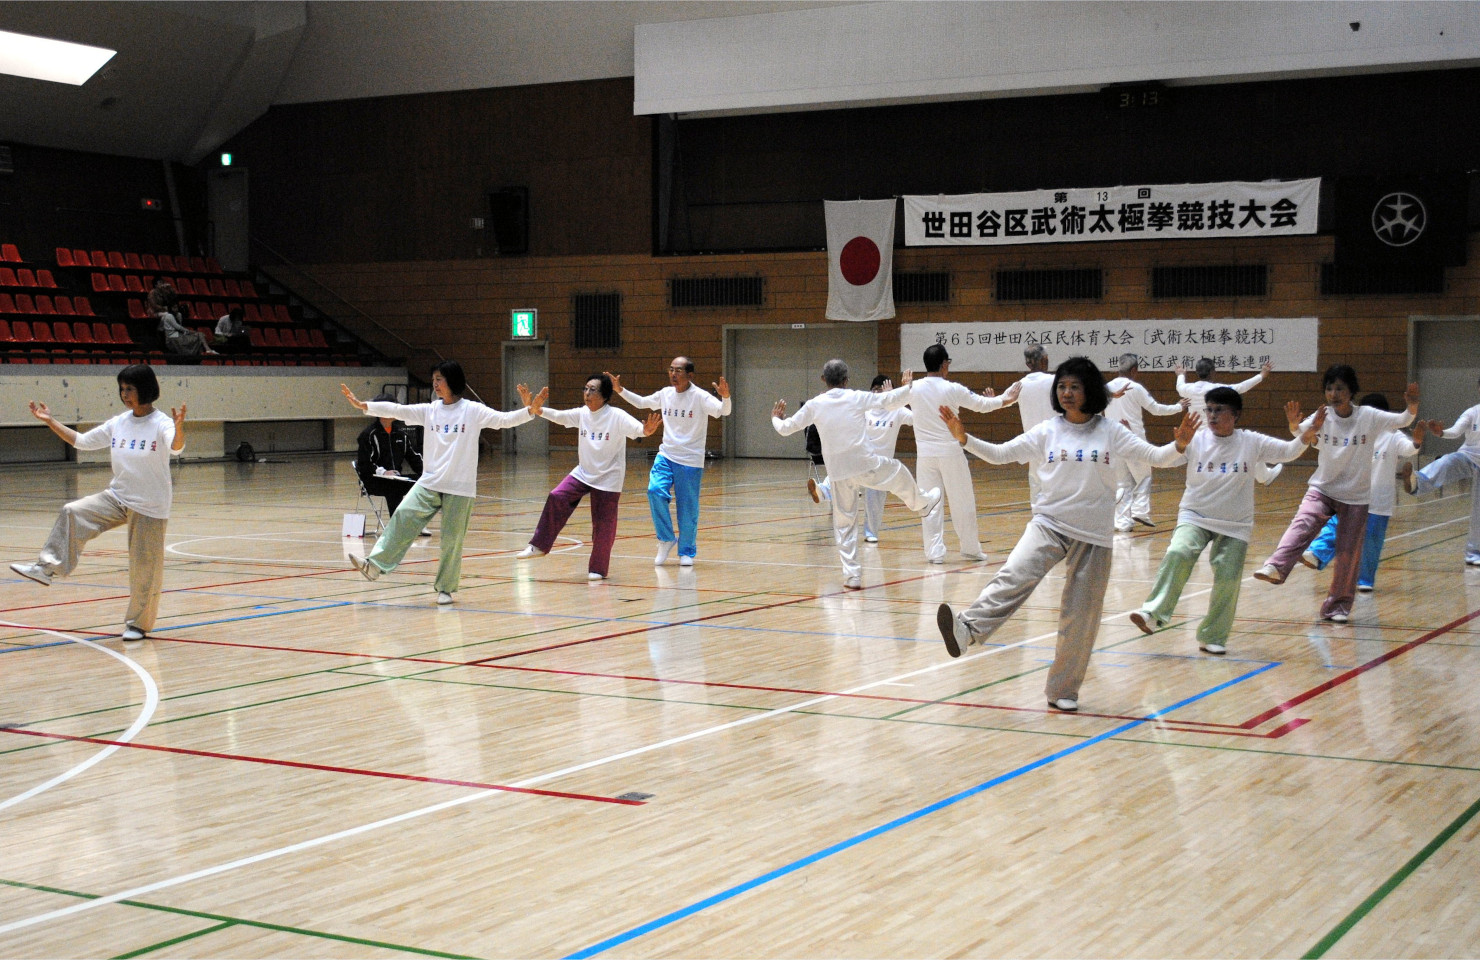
[[257, 616], [735, 891], [38, 646]]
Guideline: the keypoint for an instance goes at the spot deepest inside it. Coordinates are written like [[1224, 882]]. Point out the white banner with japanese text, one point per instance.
[[1180, 210], [1235, 345]]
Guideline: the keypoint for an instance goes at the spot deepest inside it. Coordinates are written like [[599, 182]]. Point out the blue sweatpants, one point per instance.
[[1324, 548], [667, 482]]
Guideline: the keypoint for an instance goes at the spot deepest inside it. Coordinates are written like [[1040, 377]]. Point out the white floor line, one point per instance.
[[151, 703]]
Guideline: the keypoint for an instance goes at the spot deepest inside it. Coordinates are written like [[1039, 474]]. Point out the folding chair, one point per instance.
[[366, 495]]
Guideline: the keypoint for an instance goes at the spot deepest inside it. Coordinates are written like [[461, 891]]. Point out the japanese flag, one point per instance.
[[860, 259]]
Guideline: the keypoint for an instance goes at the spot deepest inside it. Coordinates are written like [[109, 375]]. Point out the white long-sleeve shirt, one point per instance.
[[928, 395], [449, 446], [1131, 405], [1344, 448], [685, 420], [1220, 479], [1035, 399], [1197, 389], [1467, 426], [602, 447], [841, 418], [1076, 466], [140, 453], [881, 433], [1390, 448]]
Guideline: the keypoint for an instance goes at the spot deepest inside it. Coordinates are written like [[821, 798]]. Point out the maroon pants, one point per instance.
[[1351, 530], [561, 503]]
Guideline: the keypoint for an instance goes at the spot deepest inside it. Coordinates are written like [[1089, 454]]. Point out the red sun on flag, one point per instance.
[[859, 261]]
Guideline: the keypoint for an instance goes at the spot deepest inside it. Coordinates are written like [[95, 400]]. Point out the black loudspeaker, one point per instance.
[[508, 216]]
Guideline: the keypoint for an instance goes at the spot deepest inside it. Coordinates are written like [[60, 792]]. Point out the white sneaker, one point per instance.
[[528, 552], [665, 547], [1217, 648], [1469, 562], [973, 556], [1274, 470], [1364, 588], [955, 633], [1269, 573], [853, 583], [595, 576], [812, 489], [685, 561], [33, 571], [1065, 704], [870, 538], [1143, 621], [133, 633], [1310, 560], [367, 569], [1337, 618], [443, 598], [933, 497]]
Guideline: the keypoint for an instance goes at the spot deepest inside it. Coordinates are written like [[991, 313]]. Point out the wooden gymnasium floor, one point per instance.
[[301, 763]]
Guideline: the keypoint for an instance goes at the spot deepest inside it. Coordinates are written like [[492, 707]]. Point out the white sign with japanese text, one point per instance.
[[1179, 210], [1234, 345]]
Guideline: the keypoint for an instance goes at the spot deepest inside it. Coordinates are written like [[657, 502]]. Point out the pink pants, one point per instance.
[[1351, 529], [562, 502]]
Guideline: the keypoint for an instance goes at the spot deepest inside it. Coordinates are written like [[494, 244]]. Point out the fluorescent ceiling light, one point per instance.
[[54, 60]]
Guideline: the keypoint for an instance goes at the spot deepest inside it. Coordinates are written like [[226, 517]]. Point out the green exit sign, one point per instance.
[[524, 324]]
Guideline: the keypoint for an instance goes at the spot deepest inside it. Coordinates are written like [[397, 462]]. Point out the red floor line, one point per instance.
[[1356, 672], [323, 767]]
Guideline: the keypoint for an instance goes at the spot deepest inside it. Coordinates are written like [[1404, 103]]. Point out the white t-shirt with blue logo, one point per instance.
[[449, 453], [140, 452]]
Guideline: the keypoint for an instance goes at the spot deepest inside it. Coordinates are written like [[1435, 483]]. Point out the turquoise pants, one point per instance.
[[1227, 560], [406, 524]]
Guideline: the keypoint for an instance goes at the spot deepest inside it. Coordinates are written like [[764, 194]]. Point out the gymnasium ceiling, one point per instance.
[[188, 75]]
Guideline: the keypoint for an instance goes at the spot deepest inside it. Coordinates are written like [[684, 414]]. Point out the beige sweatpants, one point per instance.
[[82, 520]]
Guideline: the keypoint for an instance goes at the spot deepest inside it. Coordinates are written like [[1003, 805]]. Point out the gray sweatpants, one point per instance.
[[1086, 575], [82, 520]]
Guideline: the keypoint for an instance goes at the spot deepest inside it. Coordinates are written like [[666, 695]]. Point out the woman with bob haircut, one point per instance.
[[1075, 455], [449, 477], [141, 441], [605, 431], [1340, 487]]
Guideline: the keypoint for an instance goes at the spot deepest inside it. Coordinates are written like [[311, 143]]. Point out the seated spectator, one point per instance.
[[178, 338], [384, 446], [231, 333]]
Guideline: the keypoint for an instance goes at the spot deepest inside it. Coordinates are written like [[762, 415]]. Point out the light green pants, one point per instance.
[[1226, 557], [406, 524]]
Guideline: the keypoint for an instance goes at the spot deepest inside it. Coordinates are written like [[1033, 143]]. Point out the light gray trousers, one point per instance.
[[893, 477], [82, 520], [1086, 575]]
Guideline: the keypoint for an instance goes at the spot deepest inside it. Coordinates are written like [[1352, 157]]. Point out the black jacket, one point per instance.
[[387, 451]]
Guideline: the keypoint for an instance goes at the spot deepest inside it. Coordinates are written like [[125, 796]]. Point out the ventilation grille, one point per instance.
[[1339, 281], [1232, 280], [1050, 284], [597, 323], [922, 287], [686, 292]]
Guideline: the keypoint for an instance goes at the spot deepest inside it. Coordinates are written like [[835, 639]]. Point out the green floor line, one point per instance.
[[238, 921], [1393, 882], [172, 941], [1298, 754]]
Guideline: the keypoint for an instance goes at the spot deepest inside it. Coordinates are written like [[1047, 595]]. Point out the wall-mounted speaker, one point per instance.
[[508, 216]]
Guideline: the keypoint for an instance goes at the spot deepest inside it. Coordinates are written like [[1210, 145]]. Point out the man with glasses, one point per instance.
[[679, 465], [1217, 513]]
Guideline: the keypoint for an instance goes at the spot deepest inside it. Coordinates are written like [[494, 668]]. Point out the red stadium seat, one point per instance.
[[41, 332], [270, 337], [99, 332], [81, 259], [249, 291], [182, 265], [218, 289], [81, 332], [184, 286], [254, 335], [116, 261], [5, 336], [218, 309], [64, 306], [120, 334], [198, 264], [64, 257], [7, 305], [252, 316], [24, 277], [136, 310], [131, 261], [7, 278], [115, 283], [232, 289], [213, 265], [132, 284], [99, 259], [45, 279], [20, 332], [18, 360], [44, 305], [282, 314], [63, 333], [41, 360], [100, 283], [23, 303], [9, 253], [150, 261], [83, 306]]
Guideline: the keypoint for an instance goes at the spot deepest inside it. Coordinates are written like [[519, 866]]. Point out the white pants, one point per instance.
[[953, 476], [1132, 492], [873, 506], [893, 477], [82, 520]]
